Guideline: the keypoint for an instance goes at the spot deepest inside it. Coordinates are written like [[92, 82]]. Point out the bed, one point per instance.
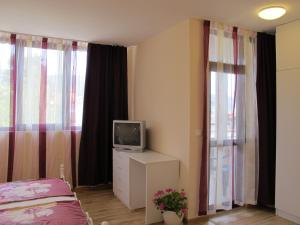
[[45, 201]]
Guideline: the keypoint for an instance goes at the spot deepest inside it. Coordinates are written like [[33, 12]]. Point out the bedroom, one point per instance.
[[58, 99]]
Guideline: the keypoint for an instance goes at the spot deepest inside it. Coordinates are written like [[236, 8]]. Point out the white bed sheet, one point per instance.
[[34, 202]]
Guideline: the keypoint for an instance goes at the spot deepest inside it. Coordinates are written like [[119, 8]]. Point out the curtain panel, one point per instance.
[[41, 99], [203, 193], [266, 90], [232, 118], [105, 100]]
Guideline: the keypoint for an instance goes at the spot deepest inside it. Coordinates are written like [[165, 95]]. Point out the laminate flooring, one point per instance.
[[102, 205]]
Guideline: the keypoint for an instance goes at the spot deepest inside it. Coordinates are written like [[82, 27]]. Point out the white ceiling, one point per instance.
[[128, 22]]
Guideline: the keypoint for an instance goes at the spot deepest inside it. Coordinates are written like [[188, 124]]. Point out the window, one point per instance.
[[65, 64], [231, 55], [222, 98], [222, 134]]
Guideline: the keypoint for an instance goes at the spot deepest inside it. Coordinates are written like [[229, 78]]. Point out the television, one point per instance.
[[129, 135]]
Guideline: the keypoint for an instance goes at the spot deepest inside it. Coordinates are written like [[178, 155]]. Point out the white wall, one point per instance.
[[288, 121], [167, 94]]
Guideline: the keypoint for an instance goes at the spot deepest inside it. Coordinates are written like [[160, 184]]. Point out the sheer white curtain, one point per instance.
[[233, 118], [42, 87], [251, 124], [5, 55]]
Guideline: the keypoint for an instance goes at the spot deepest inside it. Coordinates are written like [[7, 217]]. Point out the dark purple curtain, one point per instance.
[[203, 192], [105, 99], [43, 112], [266, 103], [13, 103]]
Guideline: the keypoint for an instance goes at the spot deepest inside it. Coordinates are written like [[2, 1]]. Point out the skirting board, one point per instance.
[[288, 216]]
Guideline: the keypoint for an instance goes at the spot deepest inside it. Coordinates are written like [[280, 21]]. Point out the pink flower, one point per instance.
[[183, 194], [159, 194], [168, 190], [162, 206], [184, 211]]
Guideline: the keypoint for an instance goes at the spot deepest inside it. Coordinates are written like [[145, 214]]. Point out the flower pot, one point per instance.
[[171, 218]]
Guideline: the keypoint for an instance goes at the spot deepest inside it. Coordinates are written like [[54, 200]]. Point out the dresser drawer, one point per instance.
[[118, 168], [121, 182], [121, 191], [117, 155], [120, 164], [122, 161], [124, 197]]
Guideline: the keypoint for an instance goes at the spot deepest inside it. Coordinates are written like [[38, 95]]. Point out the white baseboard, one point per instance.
[[288, 216]]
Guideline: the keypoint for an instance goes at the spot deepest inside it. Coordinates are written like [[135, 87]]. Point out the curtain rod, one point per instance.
[[42, 36], [66, 39]]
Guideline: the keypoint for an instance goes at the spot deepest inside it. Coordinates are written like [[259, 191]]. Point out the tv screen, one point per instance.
[[127, 134]]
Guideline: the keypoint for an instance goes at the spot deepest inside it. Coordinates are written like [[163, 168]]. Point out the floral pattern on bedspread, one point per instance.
[[26, 215], [29, 190], [62, 213]]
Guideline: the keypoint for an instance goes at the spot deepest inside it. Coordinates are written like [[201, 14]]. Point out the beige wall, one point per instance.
[[131, 58], [288, 121], [167, 94], [196, 113]]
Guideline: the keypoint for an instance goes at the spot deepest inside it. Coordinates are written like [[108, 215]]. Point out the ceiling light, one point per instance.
[[272, 13]]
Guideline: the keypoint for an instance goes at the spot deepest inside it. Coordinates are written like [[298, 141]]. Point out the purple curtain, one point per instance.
[[203, 192], [266, 103], [13, 97], [105, 100], [42, 112]]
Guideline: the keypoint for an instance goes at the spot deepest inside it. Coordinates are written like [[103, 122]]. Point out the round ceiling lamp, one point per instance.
[[272, 13]]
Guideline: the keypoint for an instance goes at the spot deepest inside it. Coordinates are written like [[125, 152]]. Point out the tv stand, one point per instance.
[[138, 176]]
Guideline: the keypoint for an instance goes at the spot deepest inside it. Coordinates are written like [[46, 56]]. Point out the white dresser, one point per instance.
[[121, 176], [137, 176]]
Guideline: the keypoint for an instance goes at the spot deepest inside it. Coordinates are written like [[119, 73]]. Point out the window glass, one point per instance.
[[55, 88], [30, 86], [62, 64], [5, 52], [222, 86], [80, 83]]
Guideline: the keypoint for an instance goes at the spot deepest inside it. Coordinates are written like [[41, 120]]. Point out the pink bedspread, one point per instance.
[[61, 213], [29, 190]]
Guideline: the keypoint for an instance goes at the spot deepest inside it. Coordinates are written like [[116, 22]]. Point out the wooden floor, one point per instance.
[[103, 206]]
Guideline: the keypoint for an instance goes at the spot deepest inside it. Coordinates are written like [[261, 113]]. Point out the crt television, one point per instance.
[[129, 135]]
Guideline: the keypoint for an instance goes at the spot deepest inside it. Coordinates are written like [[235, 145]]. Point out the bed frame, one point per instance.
[[62, 176]]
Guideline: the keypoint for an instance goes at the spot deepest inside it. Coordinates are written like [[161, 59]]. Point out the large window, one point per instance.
[[25, 96], [232, 110], [222, 137]]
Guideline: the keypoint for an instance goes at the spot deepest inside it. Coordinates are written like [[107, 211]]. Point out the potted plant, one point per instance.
[[172, 204]]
